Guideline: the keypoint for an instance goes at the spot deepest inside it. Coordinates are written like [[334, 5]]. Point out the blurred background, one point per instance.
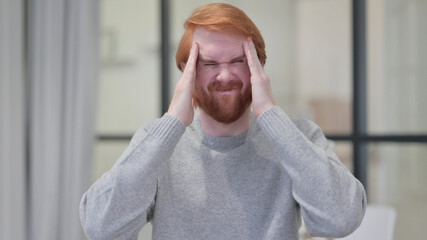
[[79, 77]]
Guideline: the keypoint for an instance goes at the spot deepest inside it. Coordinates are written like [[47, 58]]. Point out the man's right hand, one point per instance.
[[182, 106]]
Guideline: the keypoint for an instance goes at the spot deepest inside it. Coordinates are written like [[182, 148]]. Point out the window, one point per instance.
[[129, 86], [356, 70]]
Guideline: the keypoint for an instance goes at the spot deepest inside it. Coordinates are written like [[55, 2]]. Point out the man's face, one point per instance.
[[222, 88]]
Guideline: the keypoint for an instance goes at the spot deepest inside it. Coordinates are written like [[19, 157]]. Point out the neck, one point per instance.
[[216, 129]]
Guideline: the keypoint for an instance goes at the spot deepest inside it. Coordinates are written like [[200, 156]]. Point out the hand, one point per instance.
[[182, 106], [262, 96]]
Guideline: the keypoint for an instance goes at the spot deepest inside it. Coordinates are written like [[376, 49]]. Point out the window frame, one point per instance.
[[359, 138]]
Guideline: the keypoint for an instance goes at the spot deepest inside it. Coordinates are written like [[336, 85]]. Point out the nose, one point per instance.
[[224, 72]]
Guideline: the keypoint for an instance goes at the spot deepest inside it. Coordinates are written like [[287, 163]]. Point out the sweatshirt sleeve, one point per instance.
[[331, 199], [118, 204]]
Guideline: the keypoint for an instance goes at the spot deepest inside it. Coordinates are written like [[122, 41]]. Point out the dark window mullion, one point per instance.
[[380, 138], [359, 91], [165, 55]]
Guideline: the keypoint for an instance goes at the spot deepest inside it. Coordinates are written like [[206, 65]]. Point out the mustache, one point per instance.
[[220, 86]]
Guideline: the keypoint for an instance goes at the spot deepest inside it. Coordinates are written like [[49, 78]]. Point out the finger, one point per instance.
[[190, 67], [252, 57]]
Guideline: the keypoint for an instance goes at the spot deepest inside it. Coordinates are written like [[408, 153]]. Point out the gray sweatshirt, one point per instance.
[[253, 186]]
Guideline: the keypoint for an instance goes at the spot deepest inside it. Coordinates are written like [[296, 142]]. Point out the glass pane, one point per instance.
[[129, 86], [322, 79], [308, 46], [397, 178], [397, 66]]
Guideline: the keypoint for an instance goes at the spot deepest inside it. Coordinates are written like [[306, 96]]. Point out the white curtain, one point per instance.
[[12, 121], [47, 115], [63, 59]]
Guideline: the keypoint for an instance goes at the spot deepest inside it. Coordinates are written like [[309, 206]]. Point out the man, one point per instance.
[[231, 172]]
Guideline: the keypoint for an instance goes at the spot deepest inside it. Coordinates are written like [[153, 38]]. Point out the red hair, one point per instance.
[[223, 18]]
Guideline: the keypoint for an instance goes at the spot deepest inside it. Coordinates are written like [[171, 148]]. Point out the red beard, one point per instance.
[[224, 108]]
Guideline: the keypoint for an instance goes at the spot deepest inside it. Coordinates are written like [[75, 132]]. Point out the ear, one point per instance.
[[182, 65], [262, 61]]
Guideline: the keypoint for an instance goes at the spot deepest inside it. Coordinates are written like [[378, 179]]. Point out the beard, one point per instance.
[[224, 108]]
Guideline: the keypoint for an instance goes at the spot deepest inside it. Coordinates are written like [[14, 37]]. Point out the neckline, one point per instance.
[[223, 144]]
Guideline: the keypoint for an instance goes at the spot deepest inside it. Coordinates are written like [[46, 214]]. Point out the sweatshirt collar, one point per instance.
[[223, 144]]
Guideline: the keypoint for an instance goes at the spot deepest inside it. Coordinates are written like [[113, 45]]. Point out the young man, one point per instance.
[[229, 173]]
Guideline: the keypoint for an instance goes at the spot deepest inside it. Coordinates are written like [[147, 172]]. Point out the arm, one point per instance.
[[332, 201], [119, 204]]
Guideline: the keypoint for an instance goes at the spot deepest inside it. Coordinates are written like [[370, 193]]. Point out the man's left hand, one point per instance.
[[262, 96]]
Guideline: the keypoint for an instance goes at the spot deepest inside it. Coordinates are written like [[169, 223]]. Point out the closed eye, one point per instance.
[[210, 64], [238, 61]]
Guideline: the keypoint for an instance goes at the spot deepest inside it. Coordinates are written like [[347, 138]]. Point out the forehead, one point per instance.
[[218, 46]]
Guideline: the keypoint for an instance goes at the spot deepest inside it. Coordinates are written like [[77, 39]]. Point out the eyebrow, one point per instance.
[[207, 60]]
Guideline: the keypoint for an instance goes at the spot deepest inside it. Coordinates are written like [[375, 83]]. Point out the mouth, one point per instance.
[[226, 91], [225, 88]]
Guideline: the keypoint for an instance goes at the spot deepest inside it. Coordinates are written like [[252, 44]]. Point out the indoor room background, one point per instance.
[[377, 121]]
